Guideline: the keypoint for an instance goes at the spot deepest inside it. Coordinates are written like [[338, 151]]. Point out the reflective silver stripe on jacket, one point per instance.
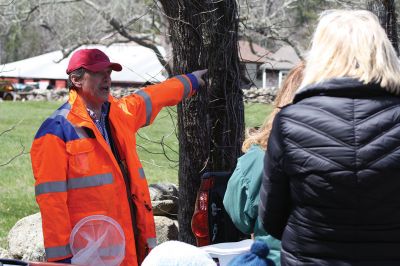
[[149, 107], [90, 181], [186, 86], [74, 183], [58, 252], [48, 187]]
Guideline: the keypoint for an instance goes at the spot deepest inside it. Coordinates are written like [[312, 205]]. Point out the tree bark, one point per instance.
[[204, 34], [385, 10]]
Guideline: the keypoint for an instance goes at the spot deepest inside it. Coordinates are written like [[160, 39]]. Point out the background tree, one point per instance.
[[273, 23], [386, 12], [204, 34], [66, 24]]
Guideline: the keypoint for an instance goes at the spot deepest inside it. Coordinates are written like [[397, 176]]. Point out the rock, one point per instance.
[[259, 95], [164, 207], [163, 191], [4, 254], [60, 92], [25, 240], [164, 199], [40, 97], [119, 92], [166, 229], [30, 97]]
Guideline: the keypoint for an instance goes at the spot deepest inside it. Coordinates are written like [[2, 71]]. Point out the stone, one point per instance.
[[166, 229], [164, 207], [4, 254], [164, 199], [259, 95], [25, 239], [163, 191]]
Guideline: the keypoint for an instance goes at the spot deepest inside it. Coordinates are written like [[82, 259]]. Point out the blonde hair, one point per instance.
[[284, 96], [352, 43]]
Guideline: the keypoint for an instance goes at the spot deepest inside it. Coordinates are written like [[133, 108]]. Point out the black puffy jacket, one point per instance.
[[331, 185]]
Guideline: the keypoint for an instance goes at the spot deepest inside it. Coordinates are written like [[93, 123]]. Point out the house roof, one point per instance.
[[254, 54], [139, 64], [283, 59]]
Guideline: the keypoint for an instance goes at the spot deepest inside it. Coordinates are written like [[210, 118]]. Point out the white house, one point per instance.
[[278, 65], [139, 65]]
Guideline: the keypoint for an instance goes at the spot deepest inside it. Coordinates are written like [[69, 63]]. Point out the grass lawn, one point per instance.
[[16, 179]]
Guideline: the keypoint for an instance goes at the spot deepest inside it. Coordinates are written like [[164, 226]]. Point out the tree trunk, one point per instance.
[[386, 12], [203, 34]]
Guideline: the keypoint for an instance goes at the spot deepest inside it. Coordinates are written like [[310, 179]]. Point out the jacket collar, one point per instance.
[[341, 87], [78, 106]]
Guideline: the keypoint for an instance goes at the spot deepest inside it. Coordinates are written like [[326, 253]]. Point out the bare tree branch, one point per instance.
[[34, 8], [11, 128], [66, 52], [9, 3], [121, 29], [22, 152], [154, 164], [293, 44], [162, 144]]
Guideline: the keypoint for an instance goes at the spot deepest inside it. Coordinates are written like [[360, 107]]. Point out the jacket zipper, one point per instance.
[[127, 182]]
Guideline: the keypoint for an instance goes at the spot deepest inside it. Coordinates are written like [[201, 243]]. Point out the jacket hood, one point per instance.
[[341, 87]]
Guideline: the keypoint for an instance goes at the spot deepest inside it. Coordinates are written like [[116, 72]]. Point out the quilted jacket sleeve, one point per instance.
[[275, 201]]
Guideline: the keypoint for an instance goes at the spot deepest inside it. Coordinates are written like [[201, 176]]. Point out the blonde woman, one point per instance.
[[241, 196], [331, 183]]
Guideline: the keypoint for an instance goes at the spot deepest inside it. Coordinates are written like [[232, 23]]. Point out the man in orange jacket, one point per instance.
[[84, 156]]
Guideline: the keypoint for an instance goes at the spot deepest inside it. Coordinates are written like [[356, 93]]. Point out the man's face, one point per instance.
[[95, 86]]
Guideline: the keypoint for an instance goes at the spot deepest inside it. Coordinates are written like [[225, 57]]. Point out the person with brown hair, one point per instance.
[[284, 97], [241, 196]]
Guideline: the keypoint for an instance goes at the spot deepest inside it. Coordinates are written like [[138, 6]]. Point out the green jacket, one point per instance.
[[242, 197]]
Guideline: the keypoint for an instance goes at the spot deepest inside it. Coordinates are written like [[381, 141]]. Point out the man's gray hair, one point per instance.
[[78, 73]]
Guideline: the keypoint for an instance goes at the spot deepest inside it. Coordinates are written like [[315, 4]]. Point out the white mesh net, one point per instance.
[[97, 240]]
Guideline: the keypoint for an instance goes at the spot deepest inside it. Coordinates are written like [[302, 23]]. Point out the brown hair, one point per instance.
[[284, 96]]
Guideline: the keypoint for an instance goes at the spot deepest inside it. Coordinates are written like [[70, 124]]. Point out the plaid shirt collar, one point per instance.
[[101, 122]]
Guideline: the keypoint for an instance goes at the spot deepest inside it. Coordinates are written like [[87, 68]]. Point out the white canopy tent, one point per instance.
[[139, 64]]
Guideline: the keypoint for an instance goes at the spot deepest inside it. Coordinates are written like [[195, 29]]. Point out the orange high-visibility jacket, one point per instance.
[[77, 174]]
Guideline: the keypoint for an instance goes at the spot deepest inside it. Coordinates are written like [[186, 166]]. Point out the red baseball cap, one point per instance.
[[91, 59]]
